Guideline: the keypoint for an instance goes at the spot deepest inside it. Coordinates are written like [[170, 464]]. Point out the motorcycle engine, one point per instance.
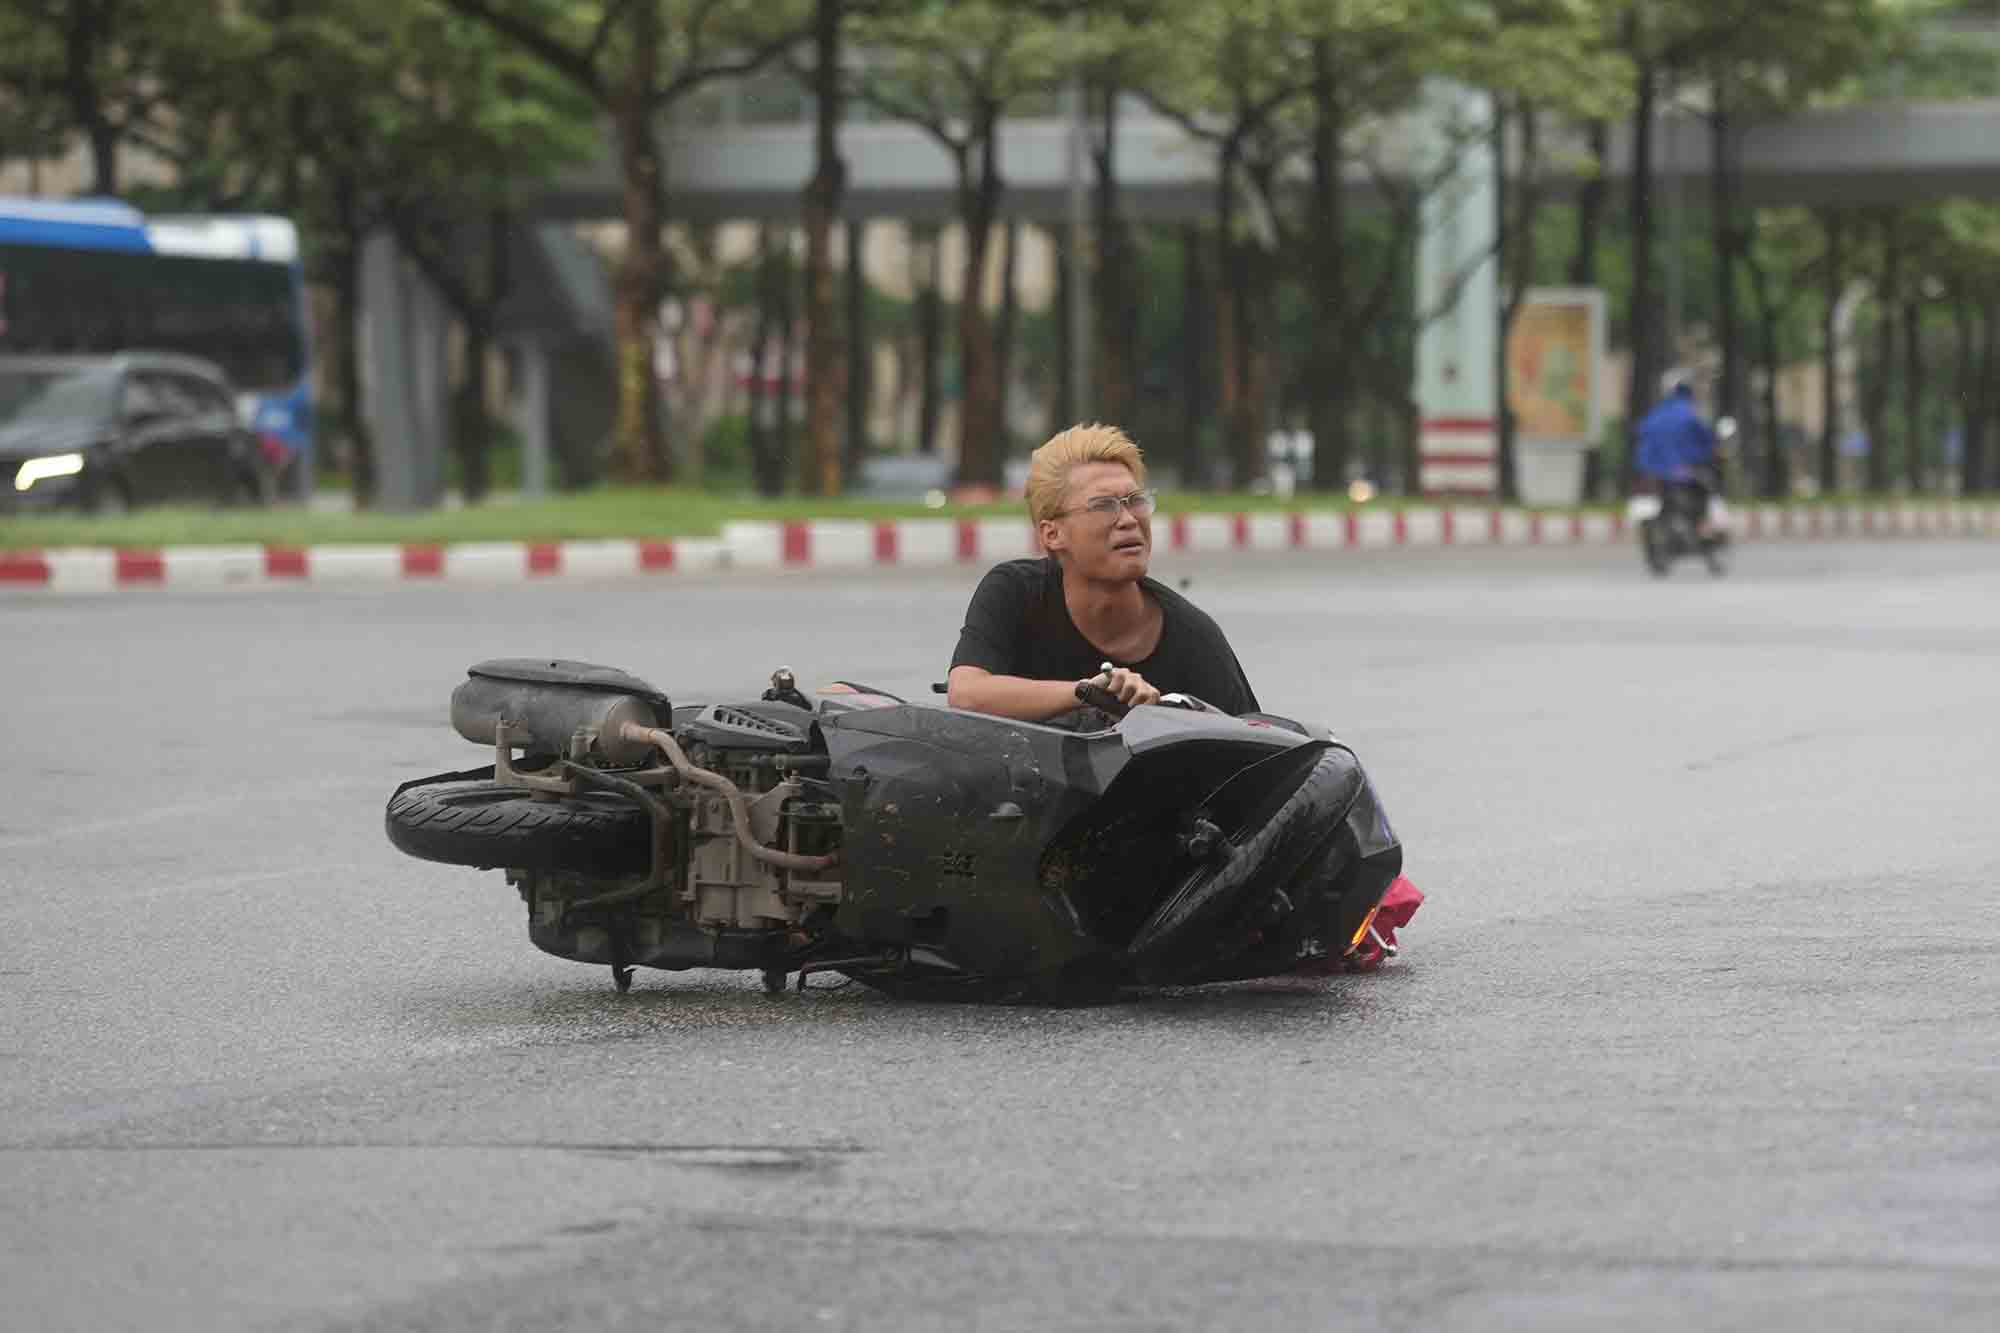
[[765, 749]]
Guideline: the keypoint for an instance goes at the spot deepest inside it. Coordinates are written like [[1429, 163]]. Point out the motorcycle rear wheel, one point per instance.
[[486, 825], [1652, 547]]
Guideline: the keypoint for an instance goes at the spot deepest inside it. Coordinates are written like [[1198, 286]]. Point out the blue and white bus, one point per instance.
[[95, 276]]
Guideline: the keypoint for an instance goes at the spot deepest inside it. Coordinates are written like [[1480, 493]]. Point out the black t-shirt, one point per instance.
[[1019, 625]]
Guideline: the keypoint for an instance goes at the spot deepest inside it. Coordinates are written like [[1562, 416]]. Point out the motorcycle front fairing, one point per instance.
[[1008, 849]]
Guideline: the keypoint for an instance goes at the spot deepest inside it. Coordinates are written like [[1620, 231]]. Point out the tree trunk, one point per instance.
[[85, 36], [1194, 364], [1829, 438], [1254, 276], [639, 452], [104, 159], [469, 415], [1258, 317], [1876, 413], [1979, 445], [1516, 203], [1645, 365], [1728, 246], [978, 452], [1228, 304], [472, 436], [979, 202], [345, 267], [1777, 473], [1329, 388], [1410, 416], [1913, 395], [1116, 286], [1590, 208], [1377, 432], [1062, 403], [298, 109], [767, 467], [860, 361], [1966, 398], [1003, 336], [1503, 237], [822, 207], [929, 248], [786, 291]]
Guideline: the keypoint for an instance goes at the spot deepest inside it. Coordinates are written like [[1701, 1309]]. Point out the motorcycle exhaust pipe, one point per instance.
[[550, 715]]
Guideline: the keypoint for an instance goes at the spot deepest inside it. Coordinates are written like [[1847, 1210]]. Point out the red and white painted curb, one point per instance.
[[100, 569], [857, 543]]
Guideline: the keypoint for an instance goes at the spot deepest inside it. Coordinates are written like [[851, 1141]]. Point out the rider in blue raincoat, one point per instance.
[[1675, 444], [1677, 448]]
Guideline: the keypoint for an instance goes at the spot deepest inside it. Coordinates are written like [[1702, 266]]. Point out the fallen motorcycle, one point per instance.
[[922, 850]]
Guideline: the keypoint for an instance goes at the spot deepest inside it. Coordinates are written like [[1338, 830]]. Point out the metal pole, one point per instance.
[[1676, 236]]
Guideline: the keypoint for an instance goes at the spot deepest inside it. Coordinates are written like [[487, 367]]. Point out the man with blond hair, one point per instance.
[[1037, 628]]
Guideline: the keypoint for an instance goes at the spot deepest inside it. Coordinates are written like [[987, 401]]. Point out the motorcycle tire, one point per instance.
[[1212, 913], [1652, 546], [486, 825]]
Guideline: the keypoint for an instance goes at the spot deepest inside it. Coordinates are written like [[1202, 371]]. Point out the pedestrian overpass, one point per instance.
[[1872, 154]]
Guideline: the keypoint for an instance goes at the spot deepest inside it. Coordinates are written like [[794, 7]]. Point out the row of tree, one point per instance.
[[432, 117]]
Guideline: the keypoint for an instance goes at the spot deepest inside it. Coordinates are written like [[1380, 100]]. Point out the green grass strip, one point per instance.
[[609, 512], [605, 513]]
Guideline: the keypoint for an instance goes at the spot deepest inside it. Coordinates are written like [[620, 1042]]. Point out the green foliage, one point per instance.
[[115, 74], [591, 43], [725, 454], [1559, 56], [940, 66], [345, 112]]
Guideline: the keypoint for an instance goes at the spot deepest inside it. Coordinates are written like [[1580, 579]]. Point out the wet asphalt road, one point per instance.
[[1700, 1028]]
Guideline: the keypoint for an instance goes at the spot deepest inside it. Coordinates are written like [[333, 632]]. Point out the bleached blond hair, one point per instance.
[[1049, 466]]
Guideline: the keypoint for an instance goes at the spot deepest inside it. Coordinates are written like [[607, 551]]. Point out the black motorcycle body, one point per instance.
[[1670, 522], [919, 849]]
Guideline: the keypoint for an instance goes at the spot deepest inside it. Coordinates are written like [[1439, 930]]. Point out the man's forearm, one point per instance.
[[1010, 696]]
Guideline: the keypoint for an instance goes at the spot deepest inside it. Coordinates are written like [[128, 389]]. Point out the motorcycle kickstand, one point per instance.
[[621, 977]]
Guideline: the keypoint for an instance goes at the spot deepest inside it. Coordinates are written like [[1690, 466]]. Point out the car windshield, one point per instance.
[[57, 395]]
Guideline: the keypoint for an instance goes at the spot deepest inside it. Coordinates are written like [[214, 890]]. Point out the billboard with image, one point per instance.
[[1555, 366]]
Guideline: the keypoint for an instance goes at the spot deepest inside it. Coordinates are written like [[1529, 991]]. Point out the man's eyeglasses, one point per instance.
[[1107, 506]]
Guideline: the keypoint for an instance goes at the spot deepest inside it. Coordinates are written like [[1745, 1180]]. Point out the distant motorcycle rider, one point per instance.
[[1677, 448]]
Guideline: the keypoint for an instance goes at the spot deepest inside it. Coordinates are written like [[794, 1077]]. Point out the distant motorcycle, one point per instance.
[[1685, 519]]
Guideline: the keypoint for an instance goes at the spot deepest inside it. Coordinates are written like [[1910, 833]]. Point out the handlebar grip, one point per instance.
[[1096, 696]]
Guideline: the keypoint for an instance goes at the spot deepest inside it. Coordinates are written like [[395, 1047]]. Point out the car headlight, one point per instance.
[[42, 469]]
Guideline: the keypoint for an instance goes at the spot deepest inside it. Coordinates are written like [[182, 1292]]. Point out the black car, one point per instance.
[[104, 434]]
